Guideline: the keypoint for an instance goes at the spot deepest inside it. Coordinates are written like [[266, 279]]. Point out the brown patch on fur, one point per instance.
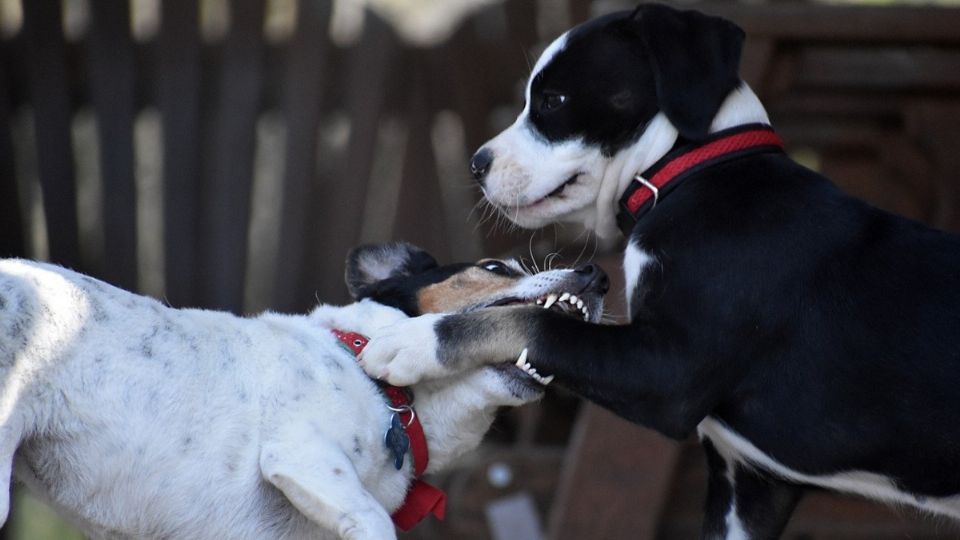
[[472, 287]]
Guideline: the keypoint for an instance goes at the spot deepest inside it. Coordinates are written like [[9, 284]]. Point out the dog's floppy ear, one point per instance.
[[373, 263], [695, 60]]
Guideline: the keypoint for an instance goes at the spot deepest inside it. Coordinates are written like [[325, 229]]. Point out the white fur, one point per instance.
[[136, 420], [736, 449], [526, 167], [413, 340], [635, 261], [408, 351], [735, 530]]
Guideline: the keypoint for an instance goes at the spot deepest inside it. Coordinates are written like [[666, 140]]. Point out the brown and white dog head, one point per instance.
[[605, 101], [402, 276]]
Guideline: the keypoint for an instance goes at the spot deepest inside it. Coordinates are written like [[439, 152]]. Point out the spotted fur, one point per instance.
[[136, 420]]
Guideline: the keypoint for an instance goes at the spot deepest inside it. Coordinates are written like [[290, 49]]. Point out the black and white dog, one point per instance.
[[136, 420], [810, 339]]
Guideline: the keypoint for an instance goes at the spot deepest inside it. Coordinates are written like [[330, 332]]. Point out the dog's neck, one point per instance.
[[741, 107], [455, 412], [455, 416]]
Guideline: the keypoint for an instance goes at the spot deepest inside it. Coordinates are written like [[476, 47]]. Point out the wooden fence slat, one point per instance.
[[302, 101], [830, 23], [879, 68], [227, 188], [178, 97], [420, 211], [50, 99], [616, 480], [12, 242], [934, 123], [112, 72], [340, 199]]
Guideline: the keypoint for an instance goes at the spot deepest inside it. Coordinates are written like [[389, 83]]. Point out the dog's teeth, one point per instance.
[[522, 360], [564, 297], [573, 299], [546, 380], [539, 301], [580, 304], [551, 300]]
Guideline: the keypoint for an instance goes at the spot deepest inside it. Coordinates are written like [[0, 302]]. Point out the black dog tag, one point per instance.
[[396, 440]]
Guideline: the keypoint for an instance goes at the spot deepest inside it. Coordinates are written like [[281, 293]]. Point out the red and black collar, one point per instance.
[[422, 498], [647, 188]]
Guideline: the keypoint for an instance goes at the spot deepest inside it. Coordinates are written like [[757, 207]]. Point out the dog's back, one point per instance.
[[856, 310], [135, 419], [160, 412]]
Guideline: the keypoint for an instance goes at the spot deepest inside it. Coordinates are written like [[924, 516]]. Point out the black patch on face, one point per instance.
[[401, 291], [616, 72], [608, 89]]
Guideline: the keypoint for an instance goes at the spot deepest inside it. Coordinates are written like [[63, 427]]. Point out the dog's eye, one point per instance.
[[497, 267], [552, 102]]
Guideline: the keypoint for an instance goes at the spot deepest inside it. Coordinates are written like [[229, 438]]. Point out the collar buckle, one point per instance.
[[649, 185]]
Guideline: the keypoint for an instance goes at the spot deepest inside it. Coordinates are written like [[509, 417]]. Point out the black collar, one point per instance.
[[647, 188]]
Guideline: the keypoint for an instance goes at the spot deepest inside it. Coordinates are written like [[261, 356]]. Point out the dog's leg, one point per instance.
[[321, 482], [648, 372], [744, 503]]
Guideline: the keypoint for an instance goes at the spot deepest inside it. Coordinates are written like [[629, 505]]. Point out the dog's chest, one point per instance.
[[636, 262]]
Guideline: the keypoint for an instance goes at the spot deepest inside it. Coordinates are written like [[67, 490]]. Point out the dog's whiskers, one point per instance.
[[550, 259], [533, 258]]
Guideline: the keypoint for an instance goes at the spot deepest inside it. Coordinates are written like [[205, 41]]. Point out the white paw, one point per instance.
[[404, 353], [371, 524]]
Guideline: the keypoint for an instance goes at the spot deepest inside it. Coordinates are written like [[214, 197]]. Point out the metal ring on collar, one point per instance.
[[649, 185], [405, 408]]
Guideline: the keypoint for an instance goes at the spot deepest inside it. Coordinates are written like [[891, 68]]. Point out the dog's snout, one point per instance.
[[593, 277], [480, 164]]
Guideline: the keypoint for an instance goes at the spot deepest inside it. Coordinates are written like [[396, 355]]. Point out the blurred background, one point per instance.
[[227, 153]]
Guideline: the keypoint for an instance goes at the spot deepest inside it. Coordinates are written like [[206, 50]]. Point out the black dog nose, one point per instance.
[[593, 277], [480, 164]]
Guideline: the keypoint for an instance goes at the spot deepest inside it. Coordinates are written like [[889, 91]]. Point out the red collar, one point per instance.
[[648, 188], [422, 498]]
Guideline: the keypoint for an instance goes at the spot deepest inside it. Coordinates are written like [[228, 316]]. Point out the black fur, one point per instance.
[[410, 270], [695, 60], [616, 72], [819, 328]]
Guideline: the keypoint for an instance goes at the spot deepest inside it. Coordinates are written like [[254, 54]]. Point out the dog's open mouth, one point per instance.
[[563, 302], [556, 192], [563, 186], [588, 305]]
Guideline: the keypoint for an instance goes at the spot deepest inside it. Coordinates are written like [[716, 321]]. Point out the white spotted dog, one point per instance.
[[805, 335], [137, 420]]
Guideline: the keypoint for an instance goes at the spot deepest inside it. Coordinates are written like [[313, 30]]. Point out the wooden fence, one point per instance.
[[359, 130], [235, 171]]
